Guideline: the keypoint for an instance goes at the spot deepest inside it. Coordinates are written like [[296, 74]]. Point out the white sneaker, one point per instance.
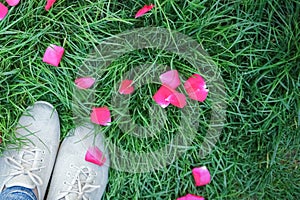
[[73, 177], [31, 166]]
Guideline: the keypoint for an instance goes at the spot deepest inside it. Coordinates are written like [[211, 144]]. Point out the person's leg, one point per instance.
[[17, 193], [31, 166], [73, 177]]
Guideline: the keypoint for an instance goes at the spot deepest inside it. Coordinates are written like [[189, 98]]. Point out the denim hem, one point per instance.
[[17, 193]]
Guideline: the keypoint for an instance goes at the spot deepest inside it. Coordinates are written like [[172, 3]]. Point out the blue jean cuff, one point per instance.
[[17, 193]]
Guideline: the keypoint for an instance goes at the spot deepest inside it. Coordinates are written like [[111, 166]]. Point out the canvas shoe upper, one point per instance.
[[32, 164], [74, 178]]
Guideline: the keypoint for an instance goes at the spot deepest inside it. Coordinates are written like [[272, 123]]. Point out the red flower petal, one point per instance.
[[53, 55], [201, 176], [94, 155], [101, 116], [195, 86], [144, 10], [170, 78], [13, 2], [3, 11], [84, 82], [126, 87], [191, 197], [49, 4], [166, 95]]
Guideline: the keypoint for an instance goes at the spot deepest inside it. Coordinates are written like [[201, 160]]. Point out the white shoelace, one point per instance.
[[28, 164], [82, 183]]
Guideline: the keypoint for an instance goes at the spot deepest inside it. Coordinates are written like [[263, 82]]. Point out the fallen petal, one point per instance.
[[166, 95], [170, 78], [177, 99], [3, 11], [195, 87], [84, 82], [12, 2], [197, 94], [144, 10], [126, 87], [162, 96], [49, 4], [196, 81], [201, 176], [101, 116], [191, 197], [53, 55], [94, 155]]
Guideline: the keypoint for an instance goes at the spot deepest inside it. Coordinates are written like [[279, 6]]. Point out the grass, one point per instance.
[[256, 47]]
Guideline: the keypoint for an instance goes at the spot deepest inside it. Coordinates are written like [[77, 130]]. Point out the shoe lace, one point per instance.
[[27, 163], [82, 183]]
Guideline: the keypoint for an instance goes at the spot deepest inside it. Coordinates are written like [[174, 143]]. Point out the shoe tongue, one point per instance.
[[27, 157], [71, 197], [68, 197], [74, 196], [21, 180]]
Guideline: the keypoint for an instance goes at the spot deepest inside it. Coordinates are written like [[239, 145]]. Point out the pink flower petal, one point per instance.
[[94, 155], [161, 97], [13, 2], [201, 176], [49, 4], [101, 116], [53, 55], [177, 99], [84, 82], [170, 78], [196, 81], [166, 95], [191, 197], [126, 87], [195, 86], [144, 10], [197, 94], [3, 11]]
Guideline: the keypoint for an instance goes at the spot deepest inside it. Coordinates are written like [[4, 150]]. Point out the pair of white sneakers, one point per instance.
[[32, 165]]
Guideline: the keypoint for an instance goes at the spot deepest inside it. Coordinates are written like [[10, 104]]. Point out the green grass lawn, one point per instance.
[[254, 44]]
